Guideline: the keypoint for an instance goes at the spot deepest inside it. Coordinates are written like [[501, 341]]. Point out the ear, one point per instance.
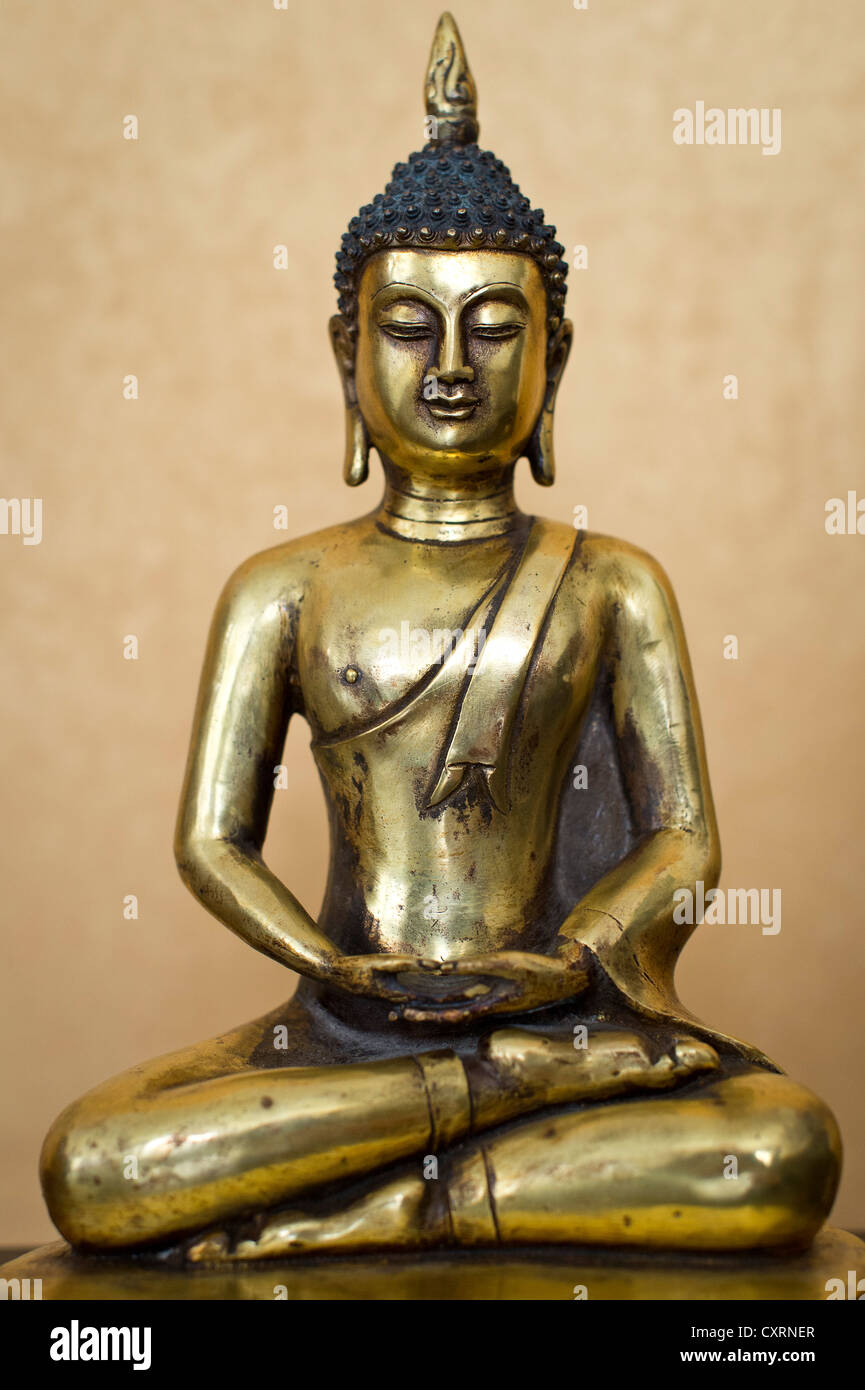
[[355, 466], [558, 352], [540, 450], [343, 350]]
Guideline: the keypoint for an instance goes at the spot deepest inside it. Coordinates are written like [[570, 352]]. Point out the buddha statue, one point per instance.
[[485, 1048]]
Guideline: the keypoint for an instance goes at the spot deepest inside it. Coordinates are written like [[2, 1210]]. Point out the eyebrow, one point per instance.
[[403, 291], [512, 294], [505, 290]]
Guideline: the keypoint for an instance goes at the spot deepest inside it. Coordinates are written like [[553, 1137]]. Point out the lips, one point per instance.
[[452, 407]]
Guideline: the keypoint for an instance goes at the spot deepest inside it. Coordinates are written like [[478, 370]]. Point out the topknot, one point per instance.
[[451, 195]]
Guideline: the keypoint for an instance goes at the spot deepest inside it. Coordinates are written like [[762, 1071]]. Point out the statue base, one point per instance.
[[548, 1273]]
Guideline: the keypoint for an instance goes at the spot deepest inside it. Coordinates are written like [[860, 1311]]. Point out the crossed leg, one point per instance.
[[201, 1140], [745, 1162]]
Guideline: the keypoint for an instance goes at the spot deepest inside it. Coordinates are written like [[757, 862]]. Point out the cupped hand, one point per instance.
[[501, 982], [376, 976]]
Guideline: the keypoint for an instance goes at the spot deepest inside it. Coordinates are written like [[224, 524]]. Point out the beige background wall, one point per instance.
[[154, 258]]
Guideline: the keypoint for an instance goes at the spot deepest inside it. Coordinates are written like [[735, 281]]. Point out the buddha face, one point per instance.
[[451, 366]]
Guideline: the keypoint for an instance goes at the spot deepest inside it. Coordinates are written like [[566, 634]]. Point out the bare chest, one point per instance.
[[367, 643]]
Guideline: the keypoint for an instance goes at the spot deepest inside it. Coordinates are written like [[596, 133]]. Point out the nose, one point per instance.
[[451, 367]]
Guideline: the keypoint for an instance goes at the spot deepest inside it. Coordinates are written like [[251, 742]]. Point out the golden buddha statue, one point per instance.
[[485, 1047]]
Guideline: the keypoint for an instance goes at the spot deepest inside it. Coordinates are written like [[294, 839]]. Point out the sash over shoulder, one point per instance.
[[481, 735]]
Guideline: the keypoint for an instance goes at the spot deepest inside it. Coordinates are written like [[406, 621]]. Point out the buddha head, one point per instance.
[[450, 337]]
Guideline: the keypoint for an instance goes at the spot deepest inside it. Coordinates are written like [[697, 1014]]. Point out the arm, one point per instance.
[[241, 718], [628, 913], [244, 705]]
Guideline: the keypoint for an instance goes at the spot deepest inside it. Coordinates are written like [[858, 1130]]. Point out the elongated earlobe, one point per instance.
[[355, 469], [540, 451]]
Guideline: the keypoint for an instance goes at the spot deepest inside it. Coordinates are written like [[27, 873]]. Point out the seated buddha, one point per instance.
[[485, 1047]]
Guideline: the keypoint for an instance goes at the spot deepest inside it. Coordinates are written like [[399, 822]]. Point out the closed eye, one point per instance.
[[406, 330], [497, 330]]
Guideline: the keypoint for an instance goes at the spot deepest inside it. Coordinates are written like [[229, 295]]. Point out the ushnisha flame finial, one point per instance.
[[449, 90]]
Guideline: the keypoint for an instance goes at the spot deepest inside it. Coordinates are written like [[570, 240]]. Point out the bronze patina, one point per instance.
[[486, 1047]]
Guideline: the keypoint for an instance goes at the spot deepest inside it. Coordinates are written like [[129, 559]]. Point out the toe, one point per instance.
[[690, 1054]]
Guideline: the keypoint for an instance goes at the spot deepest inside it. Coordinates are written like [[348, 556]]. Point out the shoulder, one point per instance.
[[625, 586], [277, 579], [630, 578], [618, 561]]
